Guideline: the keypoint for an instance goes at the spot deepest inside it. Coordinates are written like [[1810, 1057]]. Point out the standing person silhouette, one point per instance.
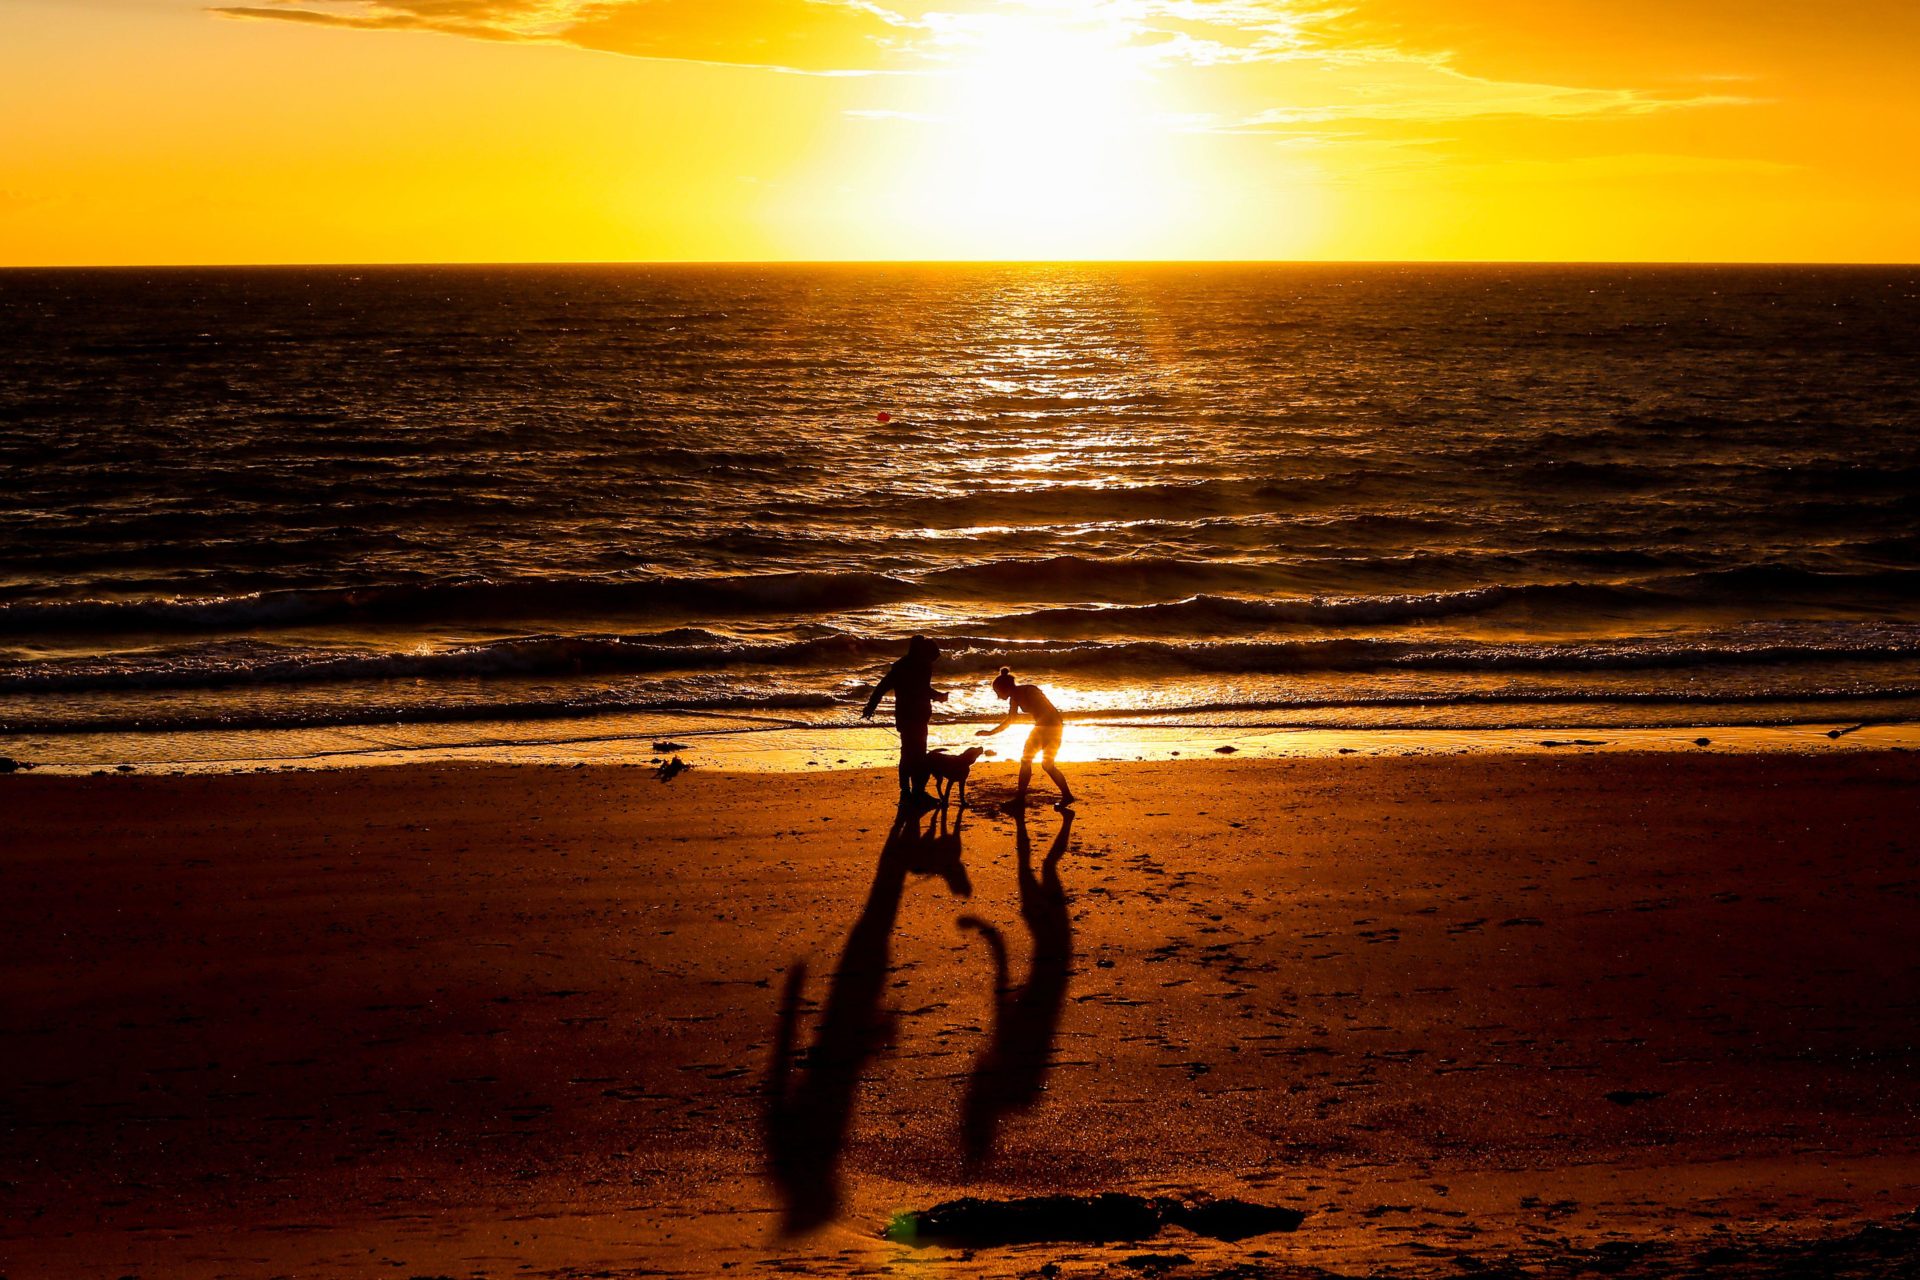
[[1044, 741], [910, 681]]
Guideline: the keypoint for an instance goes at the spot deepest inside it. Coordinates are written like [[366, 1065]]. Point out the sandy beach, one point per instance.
[[1631, 1013]]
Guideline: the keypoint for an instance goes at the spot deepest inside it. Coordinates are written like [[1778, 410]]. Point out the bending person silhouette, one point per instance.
[[1044, 741], [910, 681]]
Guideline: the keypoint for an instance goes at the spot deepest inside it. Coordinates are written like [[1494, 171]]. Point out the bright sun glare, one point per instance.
[[1049, 142]]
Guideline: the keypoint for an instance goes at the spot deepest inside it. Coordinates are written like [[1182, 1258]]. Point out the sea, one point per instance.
[[327, 506]]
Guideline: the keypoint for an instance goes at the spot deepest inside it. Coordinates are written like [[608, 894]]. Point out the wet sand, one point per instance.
[[1601, 1011]]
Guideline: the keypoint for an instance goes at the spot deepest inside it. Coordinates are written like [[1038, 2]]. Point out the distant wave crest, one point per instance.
[[695, 651], [1138, 589], [473, 601]]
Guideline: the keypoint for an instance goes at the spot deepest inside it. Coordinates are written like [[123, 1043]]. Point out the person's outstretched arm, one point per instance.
[[988, 733], [880, 690]]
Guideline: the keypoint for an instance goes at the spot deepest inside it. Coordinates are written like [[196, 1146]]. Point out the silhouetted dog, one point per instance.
[[944, 769]]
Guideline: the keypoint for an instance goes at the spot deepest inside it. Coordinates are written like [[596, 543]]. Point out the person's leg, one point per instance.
[[1059, 779], [913, 759], [1026, 766], [1049, 748]]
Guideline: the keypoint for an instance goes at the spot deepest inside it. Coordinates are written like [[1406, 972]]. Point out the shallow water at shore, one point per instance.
[[723, 744]]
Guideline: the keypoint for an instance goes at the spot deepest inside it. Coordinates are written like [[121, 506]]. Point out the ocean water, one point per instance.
[[1347, 496]]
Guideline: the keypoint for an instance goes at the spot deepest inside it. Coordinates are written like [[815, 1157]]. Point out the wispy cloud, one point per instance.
[[499, 19], [1451, 96], [799, 35], [1610, 170], [1301, 64], [14, 201]]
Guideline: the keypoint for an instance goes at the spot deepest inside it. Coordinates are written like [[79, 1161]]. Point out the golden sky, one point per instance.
[[164, 131]]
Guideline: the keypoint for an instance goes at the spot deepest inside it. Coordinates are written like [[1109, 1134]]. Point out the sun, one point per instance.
[[1047, 139]]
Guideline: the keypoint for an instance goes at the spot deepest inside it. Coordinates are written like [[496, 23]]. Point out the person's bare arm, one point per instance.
[[879, 691], [988, 733]]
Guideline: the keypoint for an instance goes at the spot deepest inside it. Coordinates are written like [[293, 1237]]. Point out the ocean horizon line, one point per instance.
[[509, 263]]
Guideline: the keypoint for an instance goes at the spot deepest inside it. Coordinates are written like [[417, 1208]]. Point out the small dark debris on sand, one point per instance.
[[1225, 751], [671, 769], [1703, 742], [1876, 1252], [973, 1223], [664, 747], [1573, 742], [9, 765]]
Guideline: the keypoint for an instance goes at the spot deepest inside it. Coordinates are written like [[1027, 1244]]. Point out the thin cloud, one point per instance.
[[15, 201], [797, 35], [1470, 100], [1314, 63], [1650, 166]]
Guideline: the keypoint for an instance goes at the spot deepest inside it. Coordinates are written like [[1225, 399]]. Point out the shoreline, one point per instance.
[[1467, 1012], [721, 742]]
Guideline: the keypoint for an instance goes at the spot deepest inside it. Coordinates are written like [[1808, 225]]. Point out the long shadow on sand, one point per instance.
[[807, 1118], [1012, 1071]]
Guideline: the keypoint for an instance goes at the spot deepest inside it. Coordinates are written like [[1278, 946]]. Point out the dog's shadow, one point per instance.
[[935, 850]]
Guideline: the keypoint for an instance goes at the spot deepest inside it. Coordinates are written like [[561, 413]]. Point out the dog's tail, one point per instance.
[[996, 943]]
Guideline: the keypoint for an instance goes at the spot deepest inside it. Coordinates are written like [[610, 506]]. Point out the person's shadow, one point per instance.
[[809, 1097], [1011, 1072]]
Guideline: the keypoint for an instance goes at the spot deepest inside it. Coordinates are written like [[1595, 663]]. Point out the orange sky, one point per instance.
[[159, 131]]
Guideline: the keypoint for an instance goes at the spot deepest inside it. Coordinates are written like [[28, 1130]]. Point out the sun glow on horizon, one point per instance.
[[1046, 139], [366, 131]]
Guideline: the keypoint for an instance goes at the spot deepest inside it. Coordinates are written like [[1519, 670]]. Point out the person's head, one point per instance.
[[923, 649], [1003, 684]]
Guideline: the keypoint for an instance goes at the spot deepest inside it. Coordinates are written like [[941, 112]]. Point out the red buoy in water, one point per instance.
[[884, 416]]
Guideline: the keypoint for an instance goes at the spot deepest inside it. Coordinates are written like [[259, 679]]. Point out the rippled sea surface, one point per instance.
[[1279, 495]]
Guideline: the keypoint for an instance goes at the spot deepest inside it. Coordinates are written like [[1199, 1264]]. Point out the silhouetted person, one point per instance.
[[910, 681], [1044, 741], [1012, 1071]]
